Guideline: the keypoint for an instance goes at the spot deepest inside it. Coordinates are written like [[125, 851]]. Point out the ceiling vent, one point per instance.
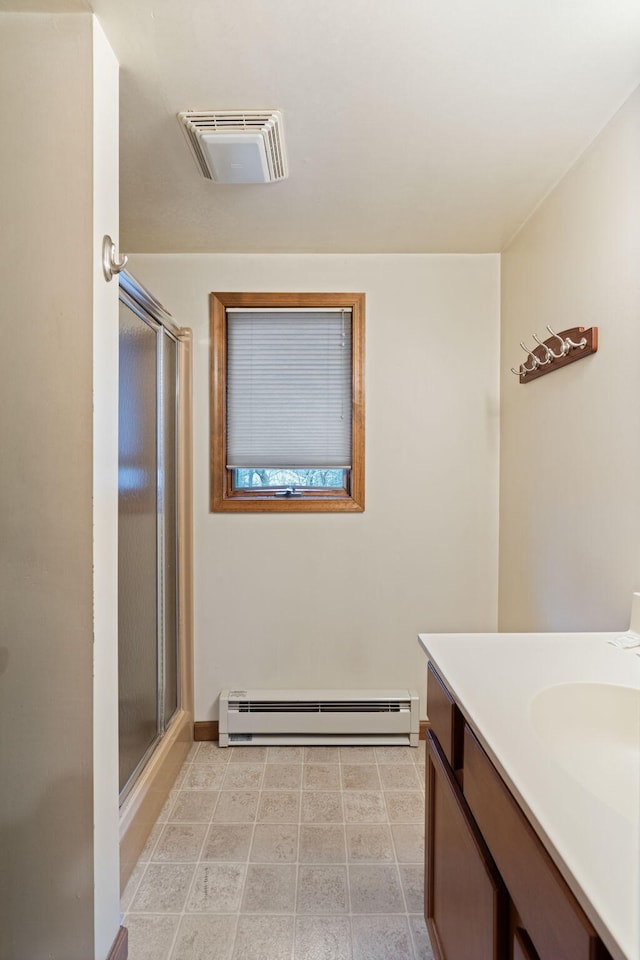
[[234, 146]]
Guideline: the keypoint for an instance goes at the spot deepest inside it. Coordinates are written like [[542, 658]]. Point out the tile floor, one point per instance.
[[285, 853]]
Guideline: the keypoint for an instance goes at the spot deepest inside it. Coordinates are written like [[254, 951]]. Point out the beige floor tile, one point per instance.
[[408, 839], [395, 754], [259, 938], [375, 889], [217, 888], [132, 885], [399, 776], [150, 936], [180, 841], [204, 776], [412, 879], [270, 888], [237, 806], [405, 807], [359, 776], [364, 807], [284, 755], [209, 752], [321, 806], [322, 938], [337, 839], [322, 889], [357, 755], [151, 842], [419, 752], [421, 942], [282, 776], [194, 806], [204, 937], [275, 843], [321, 754], [168, 805], [243, 776], [279, 806], [163, 888], [228, 841], [381, 938], [368, 842], [181, 775], [322, 843], [321, 776], [247, 754]]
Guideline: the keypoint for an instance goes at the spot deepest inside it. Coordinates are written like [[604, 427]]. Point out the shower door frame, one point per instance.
[[147, 789]]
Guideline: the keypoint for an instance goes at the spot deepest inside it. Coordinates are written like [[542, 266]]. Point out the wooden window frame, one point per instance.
[[224, 499]]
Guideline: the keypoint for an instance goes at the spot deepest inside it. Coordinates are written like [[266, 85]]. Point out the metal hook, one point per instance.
[[536, 362], [111, 263], [581, 345], [548, 355], [565, 348], [517, 372]]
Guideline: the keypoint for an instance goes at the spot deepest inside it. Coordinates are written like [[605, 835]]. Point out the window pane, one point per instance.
[[264, 477]]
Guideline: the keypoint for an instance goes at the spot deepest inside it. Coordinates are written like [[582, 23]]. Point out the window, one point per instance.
[[287, 402]]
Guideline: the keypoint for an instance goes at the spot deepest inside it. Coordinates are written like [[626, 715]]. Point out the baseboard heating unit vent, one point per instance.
[[346, 717]]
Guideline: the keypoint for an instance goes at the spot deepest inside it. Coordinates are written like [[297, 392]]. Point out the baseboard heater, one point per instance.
[[291, 717]]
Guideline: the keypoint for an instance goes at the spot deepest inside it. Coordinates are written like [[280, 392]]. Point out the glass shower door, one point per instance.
[[137, 542], [148, 675], [169, 520]]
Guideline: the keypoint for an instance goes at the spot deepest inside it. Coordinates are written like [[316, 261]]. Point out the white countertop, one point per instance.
[[497, 679]]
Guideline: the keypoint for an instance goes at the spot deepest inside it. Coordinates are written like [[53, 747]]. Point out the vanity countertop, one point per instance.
[[548, 710]]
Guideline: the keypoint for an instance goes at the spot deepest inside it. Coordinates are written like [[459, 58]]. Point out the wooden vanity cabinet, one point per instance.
[[492, 891], [465, 901]]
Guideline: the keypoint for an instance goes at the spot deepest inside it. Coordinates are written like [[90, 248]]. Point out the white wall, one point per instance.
[[106, 817], [46, 585], [58, 630], [570, 497], [336, 601]]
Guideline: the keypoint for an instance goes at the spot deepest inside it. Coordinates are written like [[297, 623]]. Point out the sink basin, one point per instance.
[[592, 730]]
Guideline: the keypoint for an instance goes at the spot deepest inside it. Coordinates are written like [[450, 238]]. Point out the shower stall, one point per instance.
[[154, 682]]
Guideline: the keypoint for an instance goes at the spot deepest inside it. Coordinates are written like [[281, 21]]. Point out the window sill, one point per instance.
[[270, 504]]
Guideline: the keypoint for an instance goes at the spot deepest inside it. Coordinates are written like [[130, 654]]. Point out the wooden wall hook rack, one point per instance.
[[558, 350]]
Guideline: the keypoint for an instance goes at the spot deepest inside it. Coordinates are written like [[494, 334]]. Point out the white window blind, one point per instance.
[[289, 388]]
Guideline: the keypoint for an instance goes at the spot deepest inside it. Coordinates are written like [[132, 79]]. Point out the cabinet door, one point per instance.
[[550, 913], [465, 901], [521, 946]]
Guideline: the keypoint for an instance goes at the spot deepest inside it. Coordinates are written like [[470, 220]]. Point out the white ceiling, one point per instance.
[[410, 125]]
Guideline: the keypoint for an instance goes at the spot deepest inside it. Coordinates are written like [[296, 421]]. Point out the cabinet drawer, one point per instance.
[[466, 906], [556, 923], [446, 720]]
